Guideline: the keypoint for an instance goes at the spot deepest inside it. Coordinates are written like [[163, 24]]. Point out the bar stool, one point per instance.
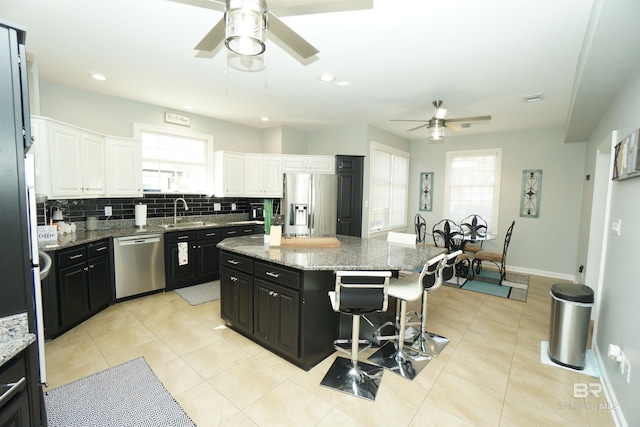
[[427, 342], [394, 355], [357, 293]]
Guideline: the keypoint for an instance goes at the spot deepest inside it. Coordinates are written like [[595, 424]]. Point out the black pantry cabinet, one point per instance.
[[350, 171]]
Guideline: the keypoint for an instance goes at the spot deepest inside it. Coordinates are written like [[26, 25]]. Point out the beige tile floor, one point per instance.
[[490, 374]]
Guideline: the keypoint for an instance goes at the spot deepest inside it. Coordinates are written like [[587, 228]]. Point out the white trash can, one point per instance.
[[570, 319]]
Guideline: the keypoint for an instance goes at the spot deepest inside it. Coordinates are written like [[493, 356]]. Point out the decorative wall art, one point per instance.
[[426, 191], [531, 188], [626, 160]]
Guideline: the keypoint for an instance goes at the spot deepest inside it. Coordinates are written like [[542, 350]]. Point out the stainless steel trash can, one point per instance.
[[570, 319]]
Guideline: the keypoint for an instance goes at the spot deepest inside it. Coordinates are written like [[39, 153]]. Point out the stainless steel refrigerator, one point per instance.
[[310, 204]]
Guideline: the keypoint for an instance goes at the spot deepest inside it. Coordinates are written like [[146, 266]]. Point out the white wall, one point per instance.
[[545, 245], [619, 294], [115, 116]]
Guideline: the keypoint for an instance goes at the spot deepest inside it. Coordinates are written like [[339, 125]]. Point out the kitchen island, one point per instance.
[[277, 296]]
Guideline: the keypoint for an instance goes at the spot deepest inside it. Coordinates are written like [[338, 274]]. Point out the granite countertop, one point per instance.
[[126, 228], [14, 336], [355, 253]]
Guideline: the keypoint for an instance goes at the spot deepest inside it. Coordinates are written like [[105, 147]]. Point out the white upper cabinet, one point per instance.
[[229, 174], [77, 162], [124, 167], [262, 175], [308, 164]]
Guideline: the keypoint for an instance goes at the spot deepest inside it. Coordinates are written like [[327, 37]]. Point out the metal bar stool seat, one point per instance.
[[431, 279], [357, 293], [394, 355]]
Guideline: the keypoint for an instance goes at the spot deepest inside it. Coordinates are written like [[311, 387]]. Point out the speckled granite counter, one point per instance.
[[14, 336], [126, 228], [354, 254]]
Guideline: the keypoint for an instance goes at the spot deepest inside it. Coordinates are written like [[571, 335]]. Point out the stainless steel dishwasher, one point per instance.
[[139, 264]]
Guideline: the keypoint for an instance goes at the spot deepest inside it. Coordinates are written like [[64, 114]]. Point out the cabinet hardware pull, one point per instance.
[[231, 232], [14, 386], [86, 269], [233, 261], [210, 234], [275, 294], [101, 249], [268, 273], [75, 256], [183, 237], [91, 266], [234, 278]]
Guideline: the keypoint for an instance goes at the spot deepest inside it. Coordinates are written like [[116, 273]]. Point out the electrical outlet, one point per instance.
[[108, 211], [233, 206], [217, 206]]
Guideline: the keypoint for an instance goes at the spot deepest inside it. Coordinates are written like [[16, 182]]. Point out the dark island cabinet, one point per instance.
[[202, 263], [81, 286], [236, 292], [15, 399], [290, 308]]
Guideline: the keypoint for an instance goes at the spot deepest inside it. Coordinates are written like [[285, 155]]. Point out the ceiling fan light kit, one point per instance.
[[436, 126], [246, 27]]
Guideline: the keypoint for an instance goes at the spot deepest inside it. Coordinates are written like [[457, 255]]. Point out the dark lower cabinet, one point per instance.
[[14, 407], [80, 285], [203, 256], [276, 317], [236, 295], [289, 308], [350, 170]]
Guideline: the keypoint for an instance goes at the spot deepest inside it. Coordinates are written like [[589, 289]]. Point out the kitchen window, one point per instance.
[[472, 185], [389, 188], [175, 161]]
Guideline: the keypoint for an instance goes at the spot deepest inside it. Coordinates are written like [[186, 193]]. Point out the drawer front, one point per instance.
[[72, 256], [100, 248], [230, 232], [247, 229], [209, 233], [180, 236], [237, 262], [279, 275]]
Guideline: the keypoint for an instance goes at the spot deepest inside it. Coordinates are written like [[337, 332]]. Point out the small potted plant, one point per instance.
[[268, 215]]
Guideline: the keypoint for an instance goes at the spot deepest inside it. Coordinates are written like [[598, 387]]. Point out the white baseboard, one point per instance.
[[542, 273]]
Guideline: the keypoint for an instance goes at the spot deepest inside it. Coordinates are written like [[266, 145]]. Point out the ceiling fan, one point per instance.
[[246, 24], [439, 121]]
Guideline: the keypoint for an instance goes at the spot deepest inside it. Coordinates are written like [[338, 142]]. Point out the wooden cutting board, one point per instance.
[[310, 242]]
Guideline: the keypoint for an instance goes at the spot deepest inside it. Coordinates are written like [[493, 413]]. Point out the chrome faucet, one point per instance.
[[175, 208]]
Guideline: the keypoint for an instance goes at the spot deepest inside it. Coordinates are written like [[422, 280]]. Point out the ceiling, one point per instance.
[[480, 57]]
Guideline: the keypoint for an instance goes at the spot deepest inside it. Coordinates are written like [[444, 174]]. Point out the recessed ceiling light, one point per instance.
[[534, 97], [265, 119], [188, 107], [342, 83], [97, 76], [327, 77]]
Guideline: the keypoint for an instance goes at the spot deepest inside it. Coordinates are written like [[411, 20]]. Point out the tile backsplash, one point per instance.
[[158, 206]]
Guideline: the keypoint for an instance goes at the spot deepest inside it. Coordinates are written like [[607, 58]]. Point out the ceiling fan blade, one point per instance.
[[418, 127], [213, 38], [205, 4], [402, 120], [307, 7], [469, 119], [286, 35]]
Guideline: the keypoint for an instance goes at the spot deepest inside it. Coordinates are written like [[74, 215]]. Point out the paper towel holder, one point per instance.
[[140, 215]]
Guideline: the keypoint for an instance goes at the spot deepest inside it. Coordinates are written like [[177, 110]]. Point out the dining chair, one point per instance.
[[450, 235], [474, 226], [499, 259], [441, 233]]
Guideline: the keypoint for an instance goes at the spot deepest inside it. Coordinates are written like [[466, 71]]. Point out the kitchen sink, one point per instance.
[[192, 224]]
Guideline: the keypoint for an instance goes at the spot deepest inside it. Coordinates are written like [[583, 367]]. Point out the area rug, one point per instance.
[[199, 294], [129, 394], [514, 286]]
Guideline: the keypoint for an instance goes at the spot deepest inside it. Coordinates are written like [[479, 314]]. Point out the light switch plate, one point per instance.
[[108, 211]]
